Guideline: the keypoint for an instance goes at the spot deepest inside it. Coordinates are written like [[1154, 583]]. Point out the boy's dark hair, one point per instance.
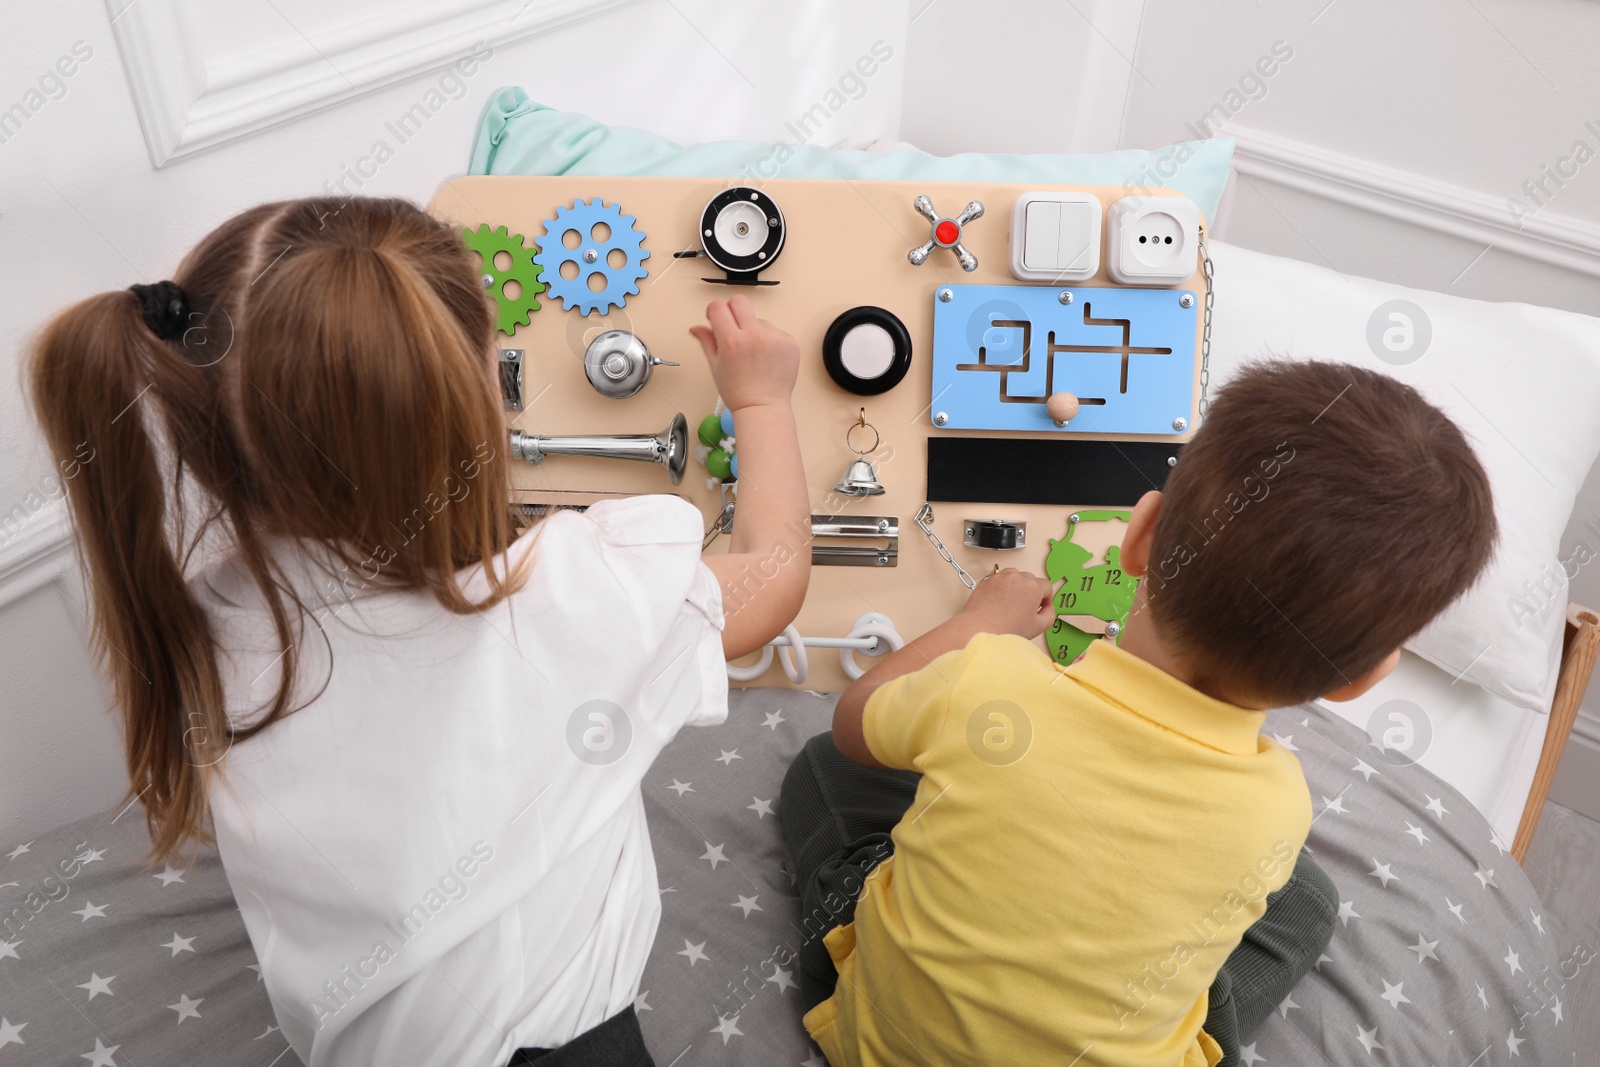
[[1320, 517]]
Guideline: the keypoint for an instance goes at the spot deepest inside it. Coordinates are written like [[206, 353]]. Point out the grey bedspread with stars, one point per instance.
[[1441, 955]]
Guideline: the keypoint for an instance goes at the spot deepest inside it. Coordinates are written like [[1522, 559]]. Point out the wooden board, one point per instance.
[[846, 246]]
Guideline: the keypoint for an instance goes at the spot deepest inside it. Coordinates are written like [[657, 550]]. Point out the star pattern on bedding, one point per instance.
[[179, 944], [1429, 963], [86, 978], [168, 875], [1394, 993], [186, 1008], [728, 1027], [1407, 957], [1382, 872], [97, 985], [1424, 949], [102, 1055]]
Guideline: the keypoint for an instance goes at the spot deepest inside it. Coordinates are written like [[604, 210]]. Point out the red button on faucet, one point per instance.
[[946, 233]]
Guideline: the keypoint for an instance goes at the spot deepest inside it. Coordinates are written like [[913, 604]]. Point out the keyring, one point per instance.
[[862, 423]]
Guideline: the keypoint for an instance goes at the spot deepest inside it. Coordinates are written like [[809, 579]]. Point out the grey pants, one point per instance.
[[837, 816]]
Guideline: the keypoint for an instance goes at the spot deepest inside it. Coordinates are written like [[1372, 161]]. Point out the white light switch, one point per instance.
[[1042, 241], [1055, 236]]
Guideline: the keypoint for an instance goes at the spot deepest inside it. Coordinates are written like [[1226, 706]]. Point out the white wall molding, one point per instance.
[[1407, 196], [38, 553], [188, 102]]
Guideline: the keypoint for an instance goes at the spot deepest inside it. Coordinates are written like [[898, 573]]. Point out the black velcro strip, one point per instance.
[[996, 470]]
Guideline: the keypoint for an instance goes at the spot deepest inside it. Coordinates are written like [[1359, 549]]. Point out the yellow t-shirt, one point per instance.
[[1086, 846]]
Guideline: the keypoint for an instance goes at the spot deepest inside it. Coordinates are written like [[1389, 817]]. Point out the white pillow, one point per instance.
[[1522, 382]]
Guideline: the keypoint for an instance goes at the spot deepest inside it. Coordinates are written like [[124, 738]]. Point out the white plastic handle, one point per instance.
[[882, 631], [793, 658], [755, 670]]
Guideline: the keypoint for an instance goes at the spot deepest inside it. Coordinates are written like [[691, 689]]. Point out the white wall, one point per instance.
[[1019, 75], [82, 210]]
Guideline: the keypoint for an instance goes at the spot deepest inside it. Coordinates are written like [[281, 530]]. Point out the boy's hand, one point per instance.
[[1013, 602], [753, 362]]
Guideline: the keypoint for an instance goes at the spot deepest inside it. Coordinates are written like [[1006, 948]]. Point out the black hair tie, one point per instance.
[[165, 309]]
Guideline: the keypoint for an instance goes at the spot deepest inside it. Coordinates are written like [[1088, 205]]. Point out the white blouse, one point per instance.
[[443, 856]]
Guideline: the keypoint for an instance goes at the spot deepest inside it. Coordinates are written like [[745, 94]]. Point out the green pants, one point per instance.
[[837, 816]]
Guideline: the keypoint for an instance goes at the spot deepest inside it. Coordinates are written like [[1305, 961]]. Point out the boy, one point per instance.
[[1020, 862]]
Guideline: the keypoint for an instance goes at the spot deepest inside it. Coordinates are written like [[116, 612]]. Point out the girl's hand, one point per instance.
[[753, 362], [1012, 602]]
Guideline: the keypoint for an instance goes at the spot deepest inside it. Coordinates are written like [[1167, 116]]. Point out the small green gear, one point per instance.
[[488, 243]]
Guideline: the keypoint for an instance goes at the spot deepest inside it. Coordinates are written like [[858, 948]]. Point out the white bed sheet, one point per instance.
[[1485, 746]]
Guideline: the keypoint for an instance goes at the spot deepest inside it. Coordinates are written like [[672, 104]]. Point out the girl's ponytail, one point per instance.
[[91, 369]]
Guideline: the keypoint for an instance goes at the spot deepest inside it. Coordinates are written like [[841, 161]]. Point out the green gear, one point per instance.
[[1103, 590], [523, 270]]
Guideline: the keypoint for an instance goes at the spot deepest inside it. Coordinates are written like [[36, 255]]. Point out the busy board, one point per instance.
[[987, 371]]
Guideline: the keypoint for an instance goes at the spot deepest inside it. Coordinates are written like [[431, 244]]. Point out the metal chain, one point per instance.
[[1205, 330], [923, 517]]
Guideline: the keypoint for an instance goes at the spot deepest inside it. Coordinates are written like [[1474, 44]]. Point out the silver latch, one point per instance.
[[882, 529]]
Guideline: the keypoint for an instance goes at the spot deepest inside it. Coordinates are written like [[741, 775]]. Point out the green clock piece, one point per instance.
[[1100, 590]]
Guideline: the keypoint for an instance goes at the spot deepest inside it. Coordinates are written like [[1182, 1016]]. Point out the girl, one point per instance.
[[420, 742]]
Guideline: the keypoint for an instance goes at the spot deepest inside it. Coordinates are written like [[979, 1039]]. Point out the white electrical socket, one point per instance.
[[1154, 240]]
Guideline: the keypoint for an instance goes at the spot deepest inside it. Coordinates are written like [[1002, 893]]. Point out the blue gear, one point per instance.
[[591, 256]]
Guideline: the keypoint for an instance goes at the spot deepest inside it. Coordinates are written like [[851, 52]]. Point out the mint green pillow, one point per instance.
[[519, 136]]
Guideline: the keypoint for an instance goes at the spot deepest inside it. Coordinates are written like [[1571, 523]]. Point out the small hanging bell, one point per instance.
[[859, 479]]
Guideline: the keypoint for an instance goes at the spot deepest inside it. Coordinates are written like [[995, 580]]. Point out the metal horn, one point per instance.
[[670, 447]]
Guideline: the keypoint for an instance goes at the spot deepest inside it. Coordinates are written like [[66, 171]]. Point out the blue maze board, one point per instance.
[[1000, 351]]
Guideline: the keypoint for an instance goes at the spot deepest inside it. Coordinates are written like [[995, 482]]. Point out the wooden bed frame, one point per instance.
[[1579, 649]]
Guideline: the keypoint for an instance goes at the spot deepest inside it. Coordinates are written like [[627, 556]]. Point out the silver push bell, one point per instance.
[[618, 364]]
